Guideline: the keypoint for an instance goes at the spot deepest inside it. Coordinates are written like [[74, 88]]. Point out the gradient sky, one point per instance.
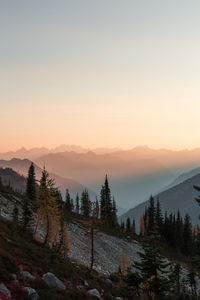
[[99, 73]]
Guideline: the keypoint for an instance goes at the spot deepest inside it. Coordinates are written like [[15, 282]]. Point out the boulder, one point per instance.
[[53, 282], [4, 290], [32, 294], [27, 275], [94, 293]]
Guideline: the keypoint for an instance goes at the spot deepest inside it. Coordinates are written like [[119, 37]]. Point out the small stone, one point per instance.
[[4, 290], [32, 294], [94, 293], [86, 283], [14, 276], [109, 281], [27, 275]]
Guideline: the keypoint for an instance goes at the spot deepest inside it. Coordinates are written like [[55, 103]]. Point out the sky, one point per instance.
[[99, 73]]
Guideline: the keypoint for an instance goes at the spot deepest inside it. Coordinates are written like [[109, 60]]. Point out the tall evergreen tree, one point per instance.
[[114, 213], [96, 209], [59, 198], [102, 204], [133, 227], [108, 211], [128, 225], [31, 184], [72, 204], [179, 231], [158, 216], [85, 204], [68, 203], [29, 204], [27, 218], [153, 267], [48, 208], [151, 215], [77, 209], [187, 236]]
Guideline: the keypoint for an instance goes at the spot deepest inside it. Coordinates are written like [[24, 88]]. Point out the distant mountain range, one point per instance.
[[178, 197], [37, 152], [133, 174]]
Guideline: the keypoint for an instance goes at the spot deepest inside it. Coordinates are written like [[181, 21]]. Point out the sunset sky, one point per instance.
[[99, 73]]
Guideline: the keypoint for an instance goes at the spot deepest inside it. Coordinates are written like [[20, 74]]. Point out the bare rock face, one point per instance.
[[4, 290], [107, 249], [52, 281]]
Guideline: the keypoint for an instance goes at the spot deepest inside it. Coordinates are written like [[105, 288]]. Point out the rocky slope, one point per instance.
[[108, 248]]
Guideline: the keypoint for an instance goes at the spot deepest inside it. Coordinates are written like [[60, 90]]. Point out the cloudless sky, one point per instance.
[[99, 73]]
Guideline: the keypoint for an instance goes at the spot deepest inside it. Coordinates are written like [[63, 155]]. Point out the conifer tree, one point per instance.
[[48, 208], [62, 246], [142, 227], [102, 204], [151, 215], [128, 225], [77, 204], [72, 204], [133, 227], [122, 226], [68, 201], [179, 231], [59, 198], [108, 210], [96, 209], [187, 236], [159, 217], [31, 185], [85, 204], [27, 219], [29, 204], [153, 267], [114, 213]]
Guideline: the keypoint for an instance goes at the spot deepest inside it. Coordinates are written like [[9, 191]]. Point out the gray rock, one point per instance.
[[52, 281], [94, 293], [14, 276], [109, 281], [86, 283], [27, 275], [119, 298], [4, 290], [32, 294]]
